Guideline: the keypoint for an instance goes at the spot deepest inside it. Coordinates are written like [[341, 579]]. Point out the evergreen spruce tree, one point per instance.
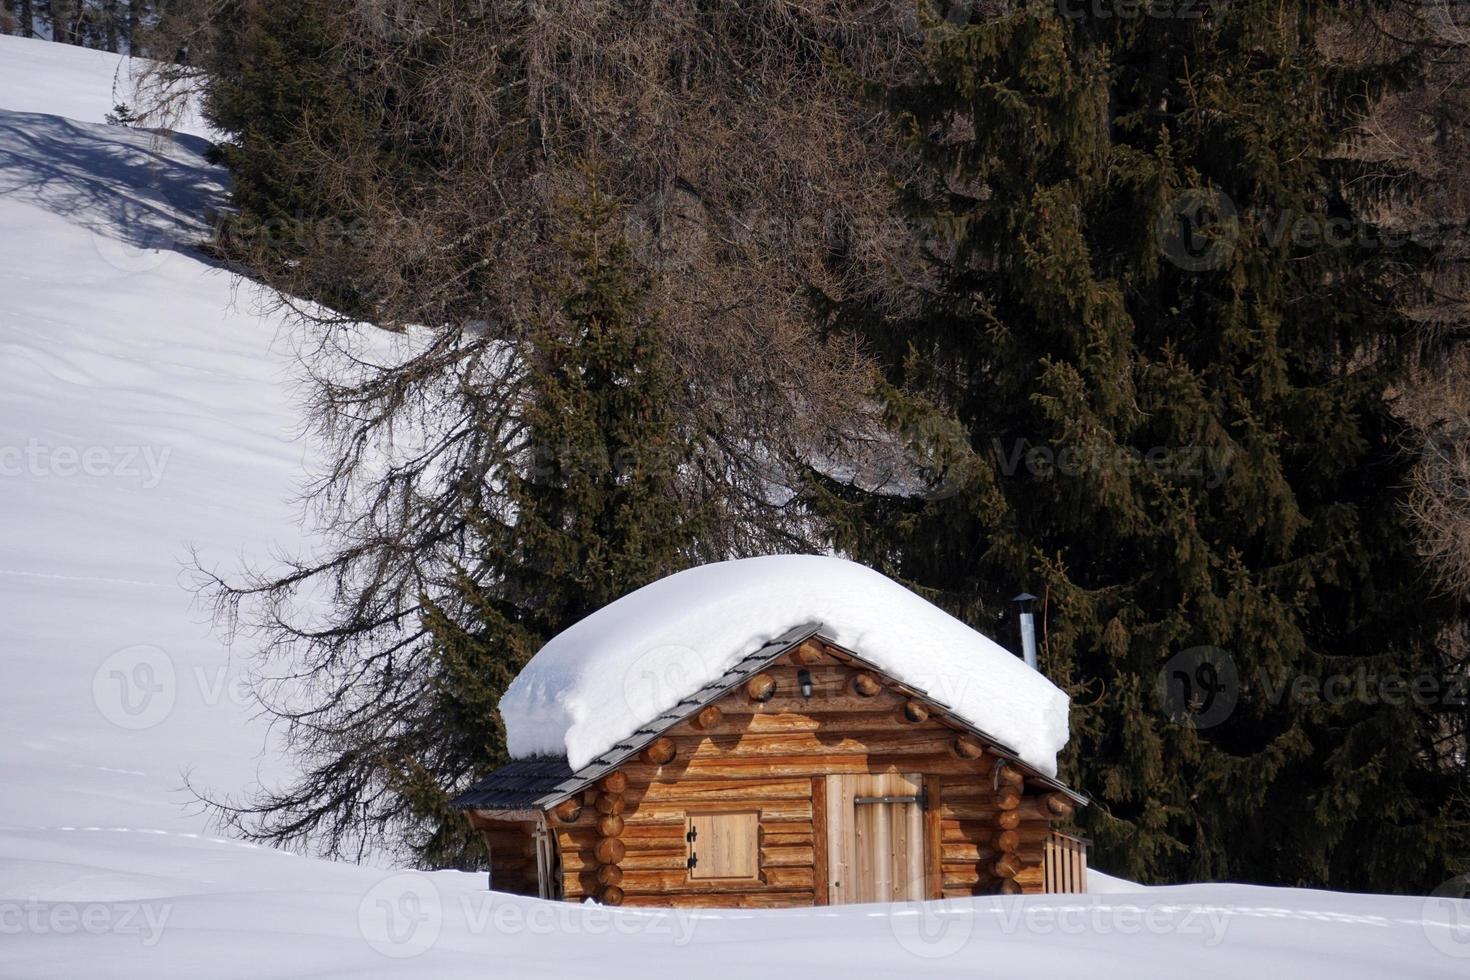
[[276, 86], [586, 509], [1155, 360]]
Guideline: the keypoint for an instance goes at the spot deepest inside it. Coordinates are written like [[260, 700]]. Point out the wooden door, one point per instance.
[[875, 838]]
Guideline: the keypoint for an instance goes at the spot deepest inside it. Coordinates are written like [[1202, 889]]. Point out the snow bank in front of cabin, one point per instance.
[[596, 683]]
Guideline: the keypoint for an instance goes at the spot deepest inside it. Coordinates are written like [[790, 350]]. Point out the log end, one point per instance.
[[914, 712], [761, 687]]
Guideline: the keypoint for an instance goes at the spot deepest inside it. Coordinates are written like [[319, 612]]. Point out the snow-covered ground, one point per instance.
[[142, 409]]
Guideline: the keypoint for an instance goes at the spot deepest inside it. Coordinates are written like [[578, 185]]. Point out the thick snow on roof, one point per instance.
[[598, 682]]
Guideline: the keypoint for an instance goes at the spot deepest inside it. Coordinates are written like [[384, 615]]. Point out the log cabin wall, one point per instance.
[[766, 748], [512, 848]]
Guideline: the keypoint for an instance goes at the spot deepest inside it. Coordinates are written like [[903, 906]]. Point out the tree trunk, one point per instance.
[[60, 11], [109, 24]]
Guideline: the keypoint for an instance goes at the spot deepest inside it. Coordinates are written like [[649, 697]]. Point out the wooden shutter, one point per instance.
[[723, 845]]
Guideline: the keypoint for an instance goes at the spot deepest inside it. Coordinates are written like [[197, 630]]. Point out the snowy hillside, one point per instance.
[[145, 409]]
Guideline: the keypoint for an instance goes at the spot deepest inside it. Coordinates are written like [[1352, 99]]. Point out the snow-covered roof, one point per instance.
[[602, 679]]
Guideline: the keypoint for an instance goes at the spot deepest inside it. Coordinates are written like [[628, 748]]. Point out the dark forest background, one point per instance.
[[1156, 311]]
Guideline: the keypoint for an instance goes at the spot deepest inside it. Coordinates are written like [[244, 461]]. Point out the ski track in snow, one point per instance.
[[116, 337]]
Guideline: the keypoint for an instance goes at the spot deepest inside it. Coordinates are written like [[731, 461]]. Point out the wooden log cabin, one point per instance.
[[804, 775]]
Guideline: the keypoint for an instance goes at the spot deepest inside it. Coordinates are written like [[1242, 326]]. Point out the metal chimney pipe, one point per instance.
[[1027, 623]]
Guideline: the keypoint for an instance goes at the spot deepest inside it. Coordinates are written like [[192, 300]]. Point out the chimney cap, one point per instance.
[[1024, 598]]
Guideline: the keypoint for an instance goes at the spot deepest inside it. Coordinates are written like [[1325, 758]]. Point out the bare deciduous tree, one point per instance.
[[753, 173]]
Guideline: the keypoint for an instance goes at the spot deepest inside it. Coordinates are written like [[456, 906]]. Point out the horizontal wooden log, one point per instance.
[[787, 840], [653, 833], [676, 813], [768, 899], [610, 850], [611, 804], [1008, 819], [1009, 887], [967, 810], [818, 720], [610, 825], [967, 878], [960, 831], [568, 810], [675, 859], [788, 700], [1006, 866], [613, 782], [674, 882], [824, 744], [610, 874], [577, 862], [1008, 798], [695, 791], [967, 852], [611, 895], [781, 767], [709, 718], [865, 684], [655, 859], [1007, 840], [787, 857]]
